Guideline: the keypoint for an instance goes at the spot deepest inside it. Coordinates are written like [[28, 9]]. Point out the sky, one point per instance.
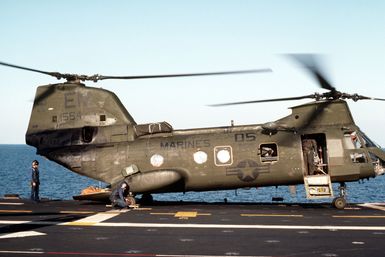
[[161, 37]]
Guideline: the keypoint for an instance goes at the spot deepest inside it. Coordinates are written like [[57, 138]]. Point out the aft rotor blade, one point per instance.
[[356, 97], [101, 77], [308, 120], [374, 98], [312, 96], [311, 64]]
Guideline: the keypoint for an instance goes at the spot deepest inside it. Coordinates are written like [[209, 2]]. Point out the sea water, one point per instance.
[[58, 182]]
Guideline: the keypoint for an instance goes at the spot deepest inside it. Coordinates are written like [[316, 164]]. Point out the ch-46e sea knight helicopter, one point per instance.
[[89, 131]]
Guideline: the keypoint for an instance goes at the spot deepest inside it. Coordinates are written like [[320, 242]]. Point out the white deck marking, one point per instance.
[[22, 252], [5, 203], [270, 215], [377, 206], [28, 222], [12, 222], [22, 234], [206, 226], [123, 254], [77, 212], [94, 219], [236, 226], [360, 216], [15, 211], [179, 255]]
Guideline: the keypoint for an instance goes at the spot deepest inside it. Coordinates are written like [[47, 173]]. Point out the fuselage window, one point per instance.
[[223, 155], [358, 157], [269, 152]]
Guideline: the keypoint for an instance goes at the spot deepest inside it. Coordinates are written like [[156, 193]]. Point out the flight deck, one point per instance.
[[73, 228]]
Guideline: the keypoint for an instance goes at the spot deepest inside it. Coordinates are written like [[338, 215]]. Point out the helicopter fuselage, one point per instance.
[[88, 131]]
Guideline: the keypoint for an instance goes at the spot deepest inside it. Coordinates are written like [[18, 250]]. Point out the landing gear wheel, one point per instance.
[[130, 200], [339, 203]]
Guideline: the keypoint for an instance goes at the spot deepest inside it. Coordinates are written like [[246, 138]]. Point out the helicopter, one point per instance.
[[89, 131]]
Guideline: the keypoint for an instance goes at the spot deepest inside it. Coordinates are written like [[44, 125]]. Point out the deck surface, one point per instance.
[[72, 228]]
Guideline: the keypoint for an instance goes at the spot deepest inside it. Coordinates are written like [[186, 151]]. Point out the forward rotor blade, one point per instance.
[[312, 96], [311, 64], [101, 77], [97, 77], [55, 74]]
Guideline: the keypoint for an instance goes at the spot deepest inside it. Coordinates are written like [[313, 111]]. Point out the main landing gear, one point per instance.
[[146, 199], [130, 200], [340, 201]]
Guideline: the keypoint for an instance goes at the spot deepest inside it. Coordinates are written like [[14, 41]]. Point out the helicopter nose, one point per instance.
[[32, 140], [378, 159]]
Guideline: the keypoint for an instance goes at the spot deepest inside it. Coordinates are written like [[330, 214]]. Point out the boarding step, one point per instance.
[[318, 186]]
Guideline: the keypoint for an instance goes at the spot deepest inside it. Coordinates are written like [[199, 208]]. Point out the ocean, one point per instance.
[[59, 183]]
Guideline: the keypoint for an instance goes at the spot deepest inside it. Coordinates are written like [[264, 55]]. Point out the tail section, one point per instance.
[[77, 126], [67, 105], [71, 113]]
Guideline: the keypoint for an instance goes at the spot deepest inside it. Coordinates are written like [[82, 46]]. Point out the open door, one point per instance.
[[318, 186], [316, 178]]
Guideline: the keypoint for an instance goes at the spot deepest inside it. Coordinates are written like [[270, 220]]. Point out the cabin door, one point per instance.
[[316, 178]]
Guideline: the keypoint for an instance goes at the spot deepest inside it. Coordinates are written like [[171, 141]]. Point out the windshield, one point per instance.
[[367, 141]]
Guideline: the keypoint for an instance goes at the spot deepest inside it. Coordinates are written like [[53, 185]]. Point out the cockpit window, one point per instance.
[[357, 139], [367, 141], [351, 140], [379, 165]]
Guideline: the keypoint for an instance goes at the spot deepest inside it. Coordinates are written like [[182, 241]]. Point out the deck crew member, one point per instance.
[[35, 181]]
